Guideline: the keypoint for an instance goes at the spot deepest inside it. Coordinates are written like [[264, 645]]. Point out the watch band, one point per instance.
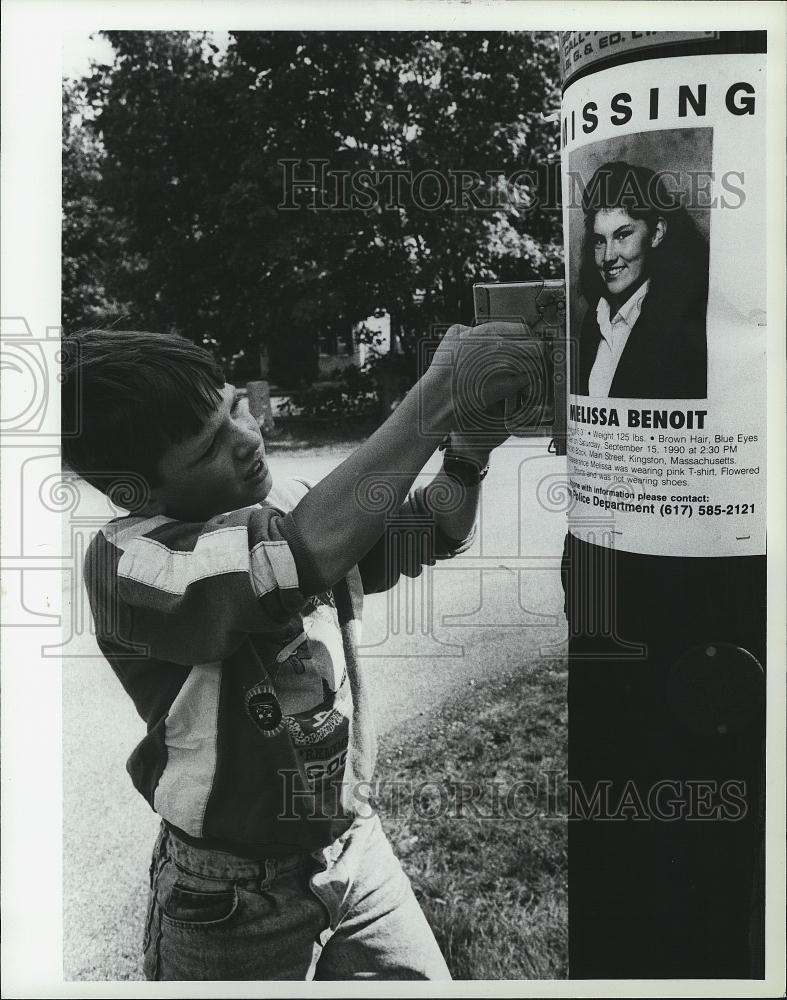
[[464, 470]]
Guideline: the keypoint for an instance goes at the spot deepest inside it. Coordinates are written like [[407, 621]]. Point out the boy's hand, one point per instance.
[[481, 366]]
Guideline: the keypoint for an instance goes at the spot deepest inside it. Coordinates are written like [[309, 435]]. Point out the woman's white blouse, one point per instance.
[[614, 336]]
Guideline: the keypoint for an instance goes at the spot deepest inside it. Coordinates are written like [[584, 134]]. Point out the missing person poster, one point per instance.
[[665, 215]]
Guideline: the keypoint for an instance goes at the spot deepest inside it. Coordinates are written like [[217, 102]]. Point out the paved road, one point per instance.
[[493, 609]]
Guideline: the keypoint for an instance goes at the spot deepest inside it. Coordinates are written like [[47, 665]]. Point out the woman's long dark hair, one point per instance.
[[678, 266]]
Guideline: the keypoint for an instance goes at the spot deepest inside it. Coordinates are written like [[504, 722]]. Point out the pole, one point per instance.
[[663, 151]]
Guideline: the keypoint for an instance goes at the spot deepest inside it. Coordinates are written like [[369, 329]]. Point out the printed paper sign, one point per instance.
[[665, 214]]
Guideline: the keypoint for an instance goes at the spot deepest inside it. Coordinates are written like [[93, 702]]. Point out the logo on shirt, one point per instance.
[[264, 710]]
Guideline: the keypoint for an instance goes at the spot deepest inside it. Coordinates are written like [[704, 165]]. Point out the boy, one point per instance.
[[229, 608]]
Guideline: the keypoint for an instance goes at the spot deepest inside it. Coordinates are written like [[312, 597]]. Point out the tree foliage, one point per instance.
[[93, 238], [195, 150]]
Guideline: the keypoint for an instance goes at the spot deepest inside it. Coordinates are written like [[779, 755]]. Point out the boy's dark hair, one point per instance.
[[129, 396]]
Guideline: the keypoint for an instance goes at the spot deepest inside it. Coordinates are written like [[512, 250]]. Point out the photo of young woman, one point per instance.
[[644, 278]]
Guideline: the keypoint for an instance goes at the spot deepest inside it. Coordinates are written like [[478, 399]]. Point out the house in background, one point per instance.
[[334, 353]]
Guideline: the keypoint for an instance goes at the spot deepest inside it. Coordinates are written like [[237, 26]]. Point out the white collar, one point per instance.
[[628, 312]]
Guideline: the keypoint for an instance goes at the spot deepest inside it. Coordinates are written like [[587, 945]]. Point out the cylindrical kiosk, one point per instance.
[[663, 176]]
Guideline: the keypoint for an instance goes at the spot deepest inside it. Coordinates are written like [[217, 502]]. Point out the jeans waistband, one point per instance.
[[219, 864]]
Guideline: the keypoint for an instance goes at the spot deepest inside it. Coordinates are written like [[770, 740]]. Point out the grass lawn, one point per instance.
[[473, 801]]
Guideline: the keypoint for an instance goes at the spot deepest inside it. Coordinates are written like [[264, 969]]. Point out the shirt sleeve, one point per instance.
[[411, 540], [188, 592]]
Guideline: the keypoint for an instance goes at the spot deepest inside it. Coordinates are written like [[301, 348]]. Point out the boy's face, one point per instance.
[[221, 468]]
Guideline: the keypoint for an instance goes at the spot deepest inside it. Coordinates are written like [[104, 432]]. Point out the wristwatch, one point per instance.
[[463, 469]]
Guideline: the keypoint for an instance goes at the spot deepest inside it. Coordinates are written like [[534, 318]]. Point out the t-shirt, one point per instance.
[[260, 739]]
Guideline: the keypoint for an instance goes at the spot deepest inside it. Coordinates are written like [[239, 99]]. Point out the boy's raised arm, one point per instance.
[[341, 517]]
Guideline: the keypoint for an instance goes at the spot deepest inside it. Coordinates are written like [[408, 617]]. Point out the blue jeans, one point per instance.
[[344, 912]]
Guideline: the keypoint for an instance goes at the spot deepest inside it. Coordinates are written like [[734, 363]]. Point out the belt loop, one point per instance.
[[271, 870]]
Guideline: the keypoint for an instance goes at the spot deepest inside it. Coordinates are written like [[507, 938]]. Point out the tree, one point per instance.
[[199, 150], [92, 236], [158, 112]]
